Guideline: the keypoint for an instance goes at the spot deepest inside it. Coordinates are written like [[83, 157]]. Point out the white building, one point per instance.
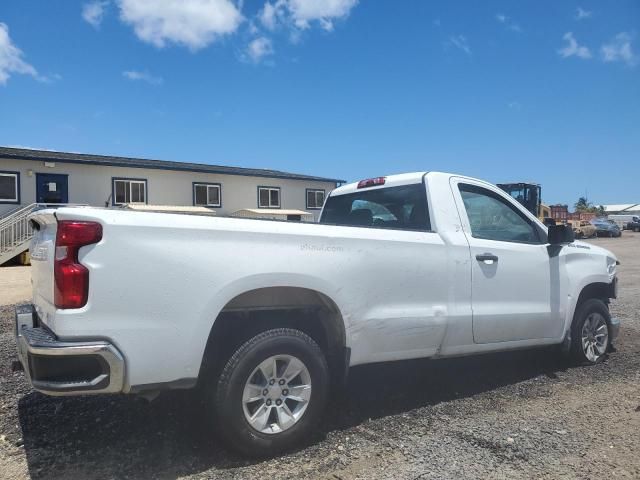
[[623, 208], [36, 176], [29, 177]]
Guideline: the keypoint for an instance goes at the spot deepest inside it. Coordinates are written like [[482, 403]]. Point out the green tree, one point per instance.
[[582, 205]]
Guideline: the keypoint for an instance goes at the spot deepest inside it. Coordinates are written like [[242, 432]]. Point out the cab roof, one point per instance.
[[389, 181]]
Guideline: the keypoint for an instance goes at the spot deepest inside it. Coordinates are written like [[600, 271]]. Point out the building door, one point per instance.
[[52, 188]]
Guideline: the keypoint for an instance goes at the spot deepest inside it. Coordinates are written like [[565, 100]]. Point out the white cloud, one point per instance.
[[259, 48], [581, 13], [93, 12], [508, 23], [26, 147], [270, 13], [572, 48], [619, 50], [11, 61], [514, 105], [143, 77], [460, 41], [324, 11], [253, 28], [302, 13], [54, 77], [191, 23]]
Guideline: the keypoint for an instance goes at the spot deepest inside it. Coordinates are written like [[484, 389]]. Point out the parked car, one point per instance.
[[606, 228], [266, 315], [582, 228], [634, 224], [622, 220]]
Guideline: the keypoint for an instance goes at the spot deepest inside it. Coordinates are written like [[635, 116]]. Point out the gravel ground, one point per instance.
[[15, 284], [512, 415]]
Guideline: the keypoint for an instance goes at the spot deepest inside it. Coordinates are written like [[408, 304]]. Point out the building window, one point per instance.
[[207, 194], [315, 199], [129, 190], [269, 197], [9, 187]]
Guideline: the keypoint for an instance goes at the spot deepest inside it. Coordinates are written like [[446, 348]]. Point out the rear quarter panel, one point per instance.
[[158, 282]]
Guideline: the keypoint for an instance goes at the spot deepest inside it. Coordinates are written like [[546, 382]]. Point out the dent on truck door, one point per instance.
[[512, 272]]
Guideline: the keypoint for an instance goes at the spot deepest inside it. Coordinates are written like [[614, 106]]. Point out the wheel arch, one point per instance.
[[598, 290], [259, 309]]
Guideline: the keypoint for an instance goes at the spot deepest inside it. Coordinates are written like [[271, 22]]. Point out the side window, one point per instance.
[[129, 191], [268, 197], [315, 199], [9, 187], [399, 208], [493, 218], [206, 194]]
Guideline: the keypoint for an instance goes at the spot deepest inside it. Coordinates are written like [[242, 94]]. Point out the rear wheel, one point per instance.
[[271, 393], [590, 332]]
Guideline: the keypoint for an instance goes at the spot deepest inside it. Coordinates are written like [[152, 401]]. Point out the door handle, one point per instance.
[[487, 258]]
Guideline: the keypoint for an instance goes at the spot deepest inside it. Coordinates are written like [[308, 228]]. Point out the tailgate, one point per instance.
[[42, 251]]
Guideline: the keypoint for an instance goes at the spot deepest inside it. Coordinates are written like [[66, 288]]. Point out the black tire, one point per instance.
[[224, 396], [592, 305]]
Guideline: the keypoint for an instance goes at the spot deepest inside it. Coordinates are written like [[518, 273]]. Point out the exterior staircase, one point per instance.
[[15, 232], [15, 229]]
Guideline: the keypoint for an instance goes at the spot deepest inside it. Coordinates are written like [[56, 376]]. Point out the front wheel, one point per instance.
[[271, 392], [590, 332]]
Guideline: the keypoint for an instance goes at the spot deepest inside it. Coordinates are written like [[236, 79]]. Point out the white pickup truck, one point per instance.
[[264, 315]]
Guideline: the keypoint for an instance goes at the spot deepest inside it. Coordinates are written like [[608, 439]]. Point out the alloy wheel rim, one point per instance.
[[595, 336], [276, 394]]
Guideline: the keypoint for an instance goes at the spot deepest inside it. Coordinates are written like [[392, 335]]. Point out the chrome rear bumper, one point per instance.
[[55, 367]]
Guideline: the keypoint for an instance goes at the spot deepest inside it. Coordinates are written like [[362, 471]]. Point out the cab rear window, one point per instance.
[[399, 208]]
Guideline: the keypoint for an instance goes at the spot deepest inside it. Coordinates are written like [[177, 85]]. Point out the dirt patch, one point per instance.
[[15, 284]]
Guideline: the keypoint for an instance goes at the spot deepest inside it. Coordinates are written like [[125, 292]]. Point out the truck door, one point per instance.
[[515, 282]]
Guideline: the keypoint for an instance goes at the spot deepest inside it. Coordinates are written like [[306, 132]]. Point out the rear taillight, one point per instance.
[[372, 182], [71, 277]]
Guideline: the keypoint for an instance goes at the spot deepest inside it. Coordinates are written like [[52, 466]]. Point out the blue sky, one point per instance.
[[547, 91]]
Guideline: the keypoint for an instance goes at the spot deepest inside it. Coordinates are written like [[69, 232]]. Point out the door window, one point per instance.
[[52, 188], [491, 217]]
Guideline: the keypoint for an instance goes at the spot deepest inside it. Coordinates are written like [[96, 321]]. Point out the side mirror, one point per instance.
[[560, 234]]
